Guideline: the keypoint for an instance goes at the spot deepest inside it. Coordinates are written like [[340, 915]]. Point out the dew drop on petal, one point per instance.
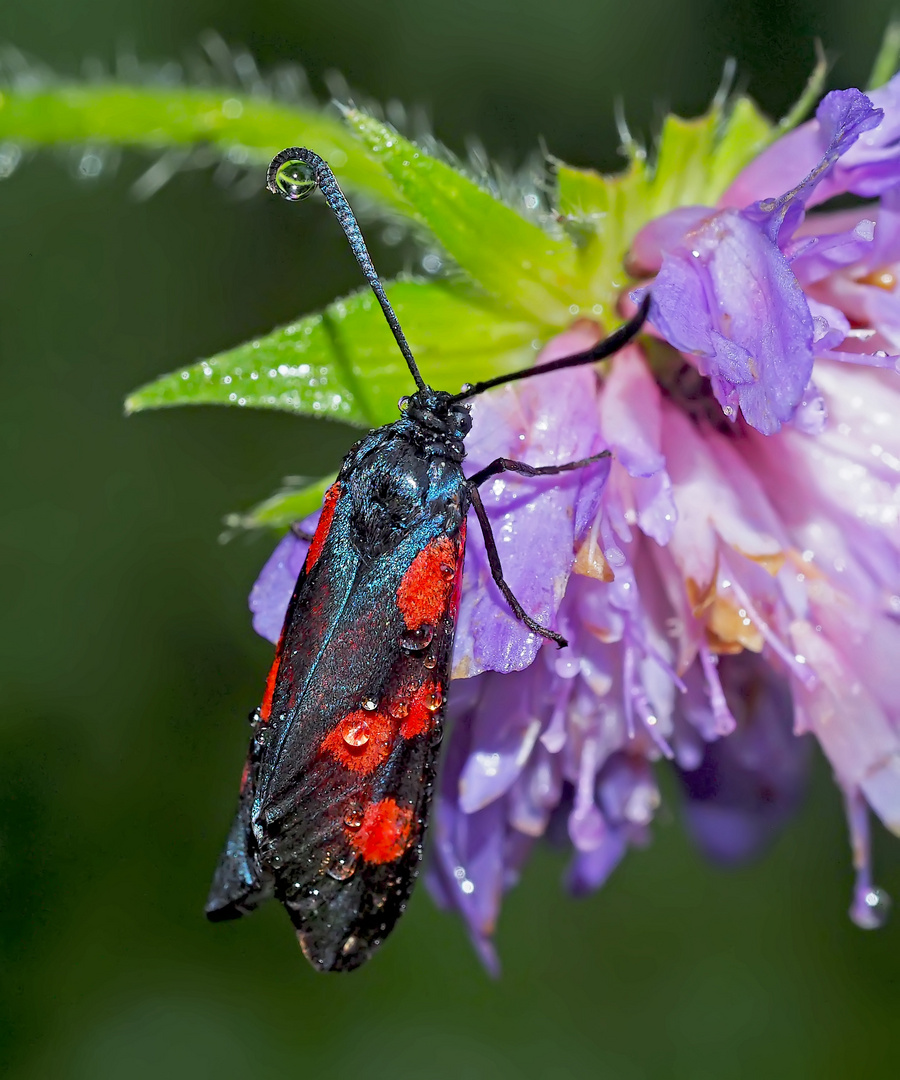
[[429, 662], [370, 704], [871, 908], [434, 700], [353, 815]]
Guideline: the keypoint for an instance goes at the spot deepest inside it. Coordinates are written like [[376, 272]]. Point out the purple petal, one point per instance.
[[663, 234], [886, 249], [812, 412], [631, 421], [749, 784], [729, 297], [468, 871], [843, 116], [536, 792], [870, 906], [590, 869], [826, 156], [536, 523], [830, 325], [627, 790], [818, 256], [507, 724], [272, 590]]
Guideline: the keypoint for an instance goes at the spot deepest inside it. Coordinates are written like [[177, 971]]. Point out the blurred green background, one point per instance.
[[128, 664]]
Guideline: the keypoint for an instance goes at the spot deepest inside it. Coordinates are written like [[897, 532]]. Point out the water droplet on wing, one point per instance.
[[356, 733], [434, 700], [418, 639], [351, 945], [343, 868]]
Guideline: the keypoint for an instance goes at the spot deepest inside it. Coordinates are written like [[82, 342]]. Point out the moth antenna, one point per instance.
[[609, 345], [294, 174]]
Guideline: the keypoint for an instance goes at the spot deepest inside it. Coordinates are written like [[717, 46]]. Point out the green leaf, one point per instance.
[[247, 129], [283, 508], [513, 259], [294, 368], [344, 363]]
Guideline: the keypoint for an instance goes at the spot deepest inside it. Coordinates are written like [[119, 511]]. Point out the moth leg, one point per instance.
[[301, 534], [501, 465]]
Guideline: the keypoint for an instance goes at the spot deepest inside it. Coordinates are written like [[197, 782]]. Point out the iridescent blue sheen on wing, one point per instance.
[[342, 760]]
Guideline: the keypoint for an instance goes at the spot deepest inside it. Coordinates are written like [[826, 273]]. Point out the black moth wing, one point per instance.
[[342, 763]]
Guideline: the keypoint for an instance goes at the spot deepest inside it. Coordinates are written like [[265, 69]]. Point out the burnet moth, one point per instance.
[[335, 793]]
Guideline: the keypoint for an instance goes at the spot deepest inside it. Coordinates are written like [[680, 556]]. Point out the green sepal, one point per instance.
[[607, 211], [695, 162], [283, 508], [344, 364], [513, 259]]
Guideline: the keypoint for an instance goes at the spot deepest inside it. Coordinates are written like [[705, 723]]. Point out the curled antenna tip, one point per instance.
[[294, 174]]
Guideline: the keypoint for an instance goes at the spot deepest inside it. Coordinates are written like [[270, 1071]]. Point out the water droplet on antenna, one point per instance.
[[295, 180]]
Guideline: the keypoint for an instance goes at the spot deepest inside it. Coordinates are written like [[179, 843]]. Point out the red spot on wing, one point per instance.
[[385, 832], [426, 587], [423, 702], [321, 535], [361, 741]]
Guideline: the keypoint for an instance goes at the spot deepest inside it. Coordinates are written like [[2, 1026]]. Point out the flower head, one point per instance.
[[730, 583]]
